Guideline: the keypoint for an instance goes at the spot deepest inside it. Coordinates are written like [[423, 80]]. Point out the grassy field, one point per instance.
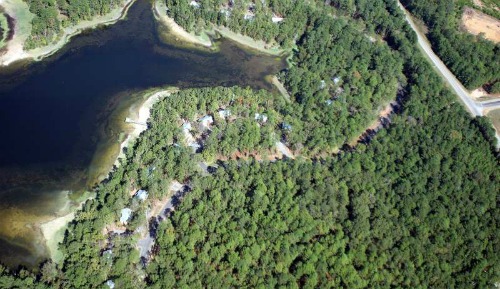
[[19, 10]]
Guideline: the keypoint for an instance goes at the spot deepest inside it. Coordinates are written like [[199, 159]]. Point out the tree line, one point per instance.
[[472, 59], [416, 207], [51, 16]]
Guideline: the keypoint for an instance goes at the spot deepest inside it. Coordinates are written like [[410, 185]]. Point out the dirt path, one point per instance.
[[281, 88]]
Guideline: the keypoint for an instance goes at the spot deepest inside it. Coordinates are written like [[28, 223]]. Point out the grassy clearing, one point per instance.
[[494, 116], [20, 11]]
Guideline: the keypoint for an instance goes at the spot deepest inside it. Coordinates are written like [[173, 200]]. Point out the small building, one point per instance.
[[329, 102], [249, 16], [110, 284], [141, 195], [125, 215], [206, 121], [195, 145], [175, 186], [194, 4], [107, 254], [187, 126], [224, 113], [286, 126], [225, 12], [322, 84], [261, 117], [336, 80], [277, 19]]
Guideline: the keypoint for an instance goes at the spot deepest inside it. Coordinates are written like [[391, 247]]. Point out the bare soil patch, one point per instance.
[[476, 22]]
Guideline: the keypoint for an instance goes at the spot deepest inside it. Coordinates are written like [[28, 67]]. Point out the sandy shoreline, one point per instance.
[[141, 117], [180, 33], [53, 229], [249, 42], [53, 233], [15, 47], [177, 30]]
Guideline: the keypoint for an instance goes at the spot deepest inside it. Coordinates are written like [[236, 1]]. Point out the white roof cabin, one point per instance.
[[249, 16], [141, 195], [126, 213], [186, 126], [195, 4], [110, 284], [108, 253], [206, 121], [224, 113], [277, 19], [261, 117]]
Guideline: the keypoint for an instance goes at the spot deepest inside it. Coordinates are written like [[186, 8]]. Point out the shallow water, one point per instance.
[[55, 114]]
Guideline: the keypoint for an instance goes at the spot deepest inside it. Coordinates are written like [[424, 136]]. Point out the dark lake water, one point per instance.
[[55, 113]]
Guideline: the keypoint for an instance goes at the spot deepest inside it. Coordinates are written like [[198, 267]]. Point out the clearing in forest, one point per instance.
[[494, 115], [476, 22]]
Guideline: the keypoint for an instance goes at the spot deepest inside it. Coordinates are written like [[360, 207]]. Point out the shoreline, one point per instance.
[[15, 47], [249, 42], [176, 30], [141, 115], [204, 40], [53, 229], [53, 234]]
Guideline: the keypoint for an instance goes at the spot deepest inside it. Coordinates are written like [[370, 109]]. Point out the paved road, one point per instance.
[[474, 107], [491, 104]]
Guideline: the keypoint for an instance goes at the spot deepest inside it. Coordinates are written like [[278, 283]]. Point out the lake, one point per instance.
[[56, 114]]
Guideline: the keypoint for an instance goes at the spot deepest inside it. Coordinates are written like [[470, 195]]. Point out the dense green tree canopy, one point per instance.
[[473, 60], [415, 207]]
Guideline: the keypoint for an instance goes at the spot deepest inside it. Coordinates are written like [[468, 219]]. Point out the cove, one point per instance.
[[56, 113]]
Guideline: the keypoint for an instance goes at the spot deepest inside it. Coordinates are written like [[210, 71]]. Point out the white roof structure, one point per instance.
[[261, 117], [110, 284], [277, 19], [186, 126], [226, 12], [175, 186], [223, 113], [108, 253], [126, 213], [194, 145], [206, 121], [194, 4], [286, 126], [249, 16], [141, 195]]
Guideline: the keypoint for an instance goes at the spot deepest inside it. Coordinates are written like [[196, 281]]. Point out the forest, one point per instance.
[[340, 78], [474, 60], [51, 16], [413, 207]]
